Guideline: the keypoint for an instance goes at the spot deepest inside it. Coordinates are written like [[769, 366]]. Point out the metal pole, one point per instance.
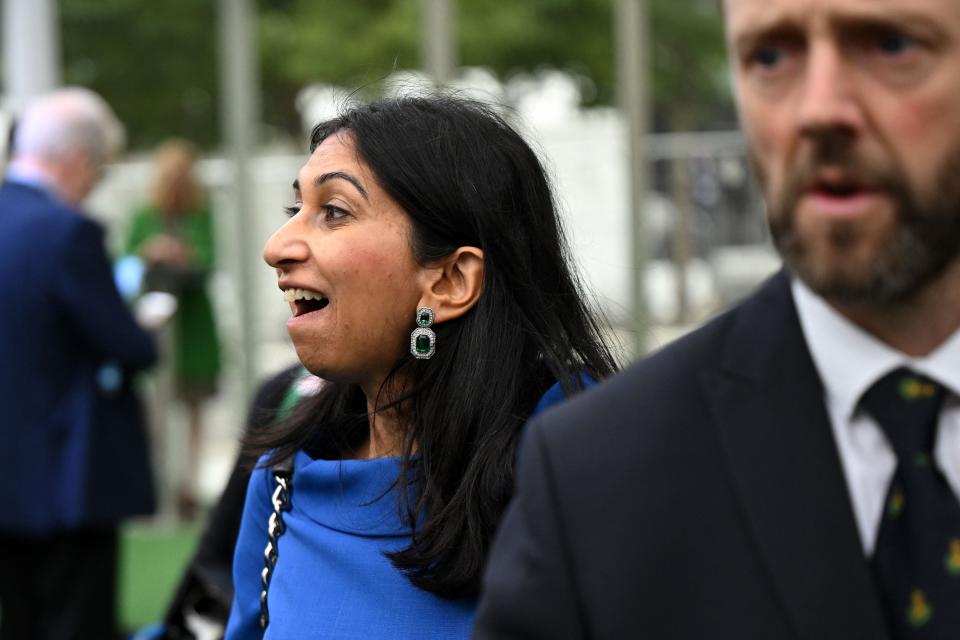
[[31, 49], [239, 91], [437, 43], [681, 235], [632, 82]]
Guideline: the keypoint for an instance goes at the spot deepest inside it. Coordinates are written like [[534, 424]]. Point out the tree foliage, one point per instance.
[[154, 62], [157, 62], [354, 44]]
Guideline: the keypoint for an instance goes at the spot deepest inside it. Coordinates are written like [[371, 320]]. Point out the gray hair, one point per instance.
[[65, 120]]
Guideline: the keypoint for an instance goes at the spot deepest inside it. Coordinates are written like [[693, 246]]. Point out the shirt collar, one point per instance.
[[849, 360], [943, 365], [24, 172]]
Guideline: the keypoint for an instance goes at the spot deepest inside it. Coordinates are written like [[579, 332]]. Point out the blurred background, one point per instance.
[[627, 101]]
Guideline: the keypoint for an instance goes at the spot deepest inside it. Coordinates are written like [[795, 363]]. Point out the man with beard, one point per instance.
[[790, 470]]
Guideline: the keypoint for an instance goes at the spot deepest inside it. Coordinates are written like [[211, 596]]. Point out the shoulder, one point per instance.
[[660, 401], [48, 224], [144, 210], [656, 380], [81, 236], [144, 216], [199, 217], [259, 488], [555, 394], [34, 205], [202, 211], [271, 392]]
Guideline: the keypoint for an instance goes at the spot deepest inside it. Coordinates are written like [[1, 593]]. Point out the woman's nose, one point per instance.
[[286, 246]]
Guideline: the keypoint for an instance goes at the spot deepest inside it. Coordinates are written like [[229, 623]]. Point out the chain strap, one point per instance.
[[283, 474]]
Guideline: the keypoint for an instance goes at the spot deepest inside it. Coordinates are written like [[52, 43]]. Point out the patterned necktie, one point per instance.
[[916, 562]]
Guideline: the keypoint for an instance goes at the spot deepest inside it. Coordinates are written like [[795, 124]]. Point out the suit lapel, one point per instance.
[[767, 401]]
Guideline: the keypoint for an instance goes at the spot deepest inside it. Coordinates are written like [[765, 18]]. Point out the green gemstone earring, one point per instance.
[[423, 341]]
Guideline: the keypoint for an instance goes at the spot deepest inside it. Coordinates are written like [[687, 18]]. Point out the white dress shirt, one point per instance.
[[849, 360]]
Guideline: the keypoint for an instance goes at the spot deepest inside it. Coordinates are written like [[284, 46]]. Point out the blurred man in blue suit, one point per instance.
[[73, 451]]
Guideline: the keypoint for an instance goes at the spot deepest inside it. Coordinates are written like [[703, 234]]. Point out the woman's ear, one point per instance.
[[454, 284]]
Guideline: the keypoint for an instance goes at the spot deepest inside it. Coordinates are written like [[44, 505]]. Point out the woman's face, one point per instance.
[[344, 262]]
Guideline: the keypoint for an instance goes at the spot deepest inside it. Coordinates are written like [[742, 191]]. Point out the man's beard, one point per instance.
[[922, 241]]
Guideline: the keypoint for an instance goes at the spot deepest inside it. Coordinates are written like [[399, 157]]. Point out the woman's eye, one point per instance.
[[292, 210], [334, 213]]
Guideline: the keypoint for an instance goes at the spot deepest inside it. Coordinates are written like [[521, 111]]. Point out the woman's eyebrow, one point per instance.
[[340, 175]]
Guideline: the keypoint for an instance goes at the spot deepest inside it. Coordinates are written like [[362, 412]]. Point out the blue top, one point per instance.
[[332, 580]]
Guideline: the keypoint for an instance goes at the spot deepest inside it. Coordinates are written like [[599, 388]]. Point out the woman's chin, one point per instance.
[[318, 366]]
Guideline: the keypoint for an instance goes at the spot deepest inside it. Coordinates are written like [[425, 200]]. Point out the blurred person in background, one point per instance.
[[73, 451], [6, 139], [173, 234], [201, 600], [430, 286], [791, 469]]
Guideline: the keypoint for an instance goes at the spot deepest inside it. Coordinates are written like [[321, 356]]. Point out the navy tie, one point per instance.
[[916, 562]]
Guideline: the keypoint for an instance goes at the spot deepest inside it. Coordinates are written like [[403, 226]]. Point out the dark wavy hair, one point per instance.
[[465, 178]]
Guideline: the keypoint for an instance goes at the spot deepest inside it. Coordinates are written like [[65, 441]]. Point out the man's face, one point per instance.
[[851, 109], [80, 171]]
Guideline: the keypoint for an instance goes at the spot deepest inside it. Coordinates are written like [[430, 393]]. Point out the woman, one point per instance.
[[429, 283], [173, 234]]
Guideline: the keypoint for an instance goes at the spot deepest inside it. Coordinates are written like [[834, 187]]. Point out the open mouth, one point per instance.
[[305, 301], [839, 195], [838, 188]]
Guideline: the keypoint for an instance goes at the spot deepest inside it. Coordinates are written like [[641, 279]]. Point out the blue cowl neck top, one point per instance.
[[332, 580]]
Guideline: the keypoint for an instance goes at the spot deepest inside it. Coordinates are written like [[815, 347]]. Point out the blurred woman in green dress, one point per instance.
[[173, 234]]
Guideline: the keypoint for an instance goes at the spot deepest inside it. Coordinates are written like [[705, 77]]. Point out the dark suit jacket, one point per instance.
[[72, 443], [698, 494]]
